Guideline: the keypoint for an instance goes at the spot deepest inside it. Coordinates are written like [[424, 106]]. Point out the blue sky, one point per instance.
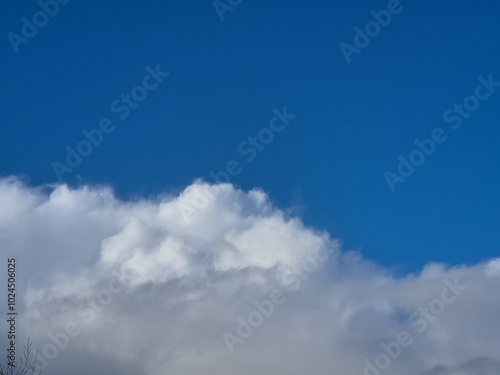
[[361, 227], [352, 120]]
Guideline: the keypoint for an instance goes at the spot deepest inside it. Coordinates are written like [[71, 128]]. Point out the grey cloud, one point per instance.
[[130, 287], [475, 366]]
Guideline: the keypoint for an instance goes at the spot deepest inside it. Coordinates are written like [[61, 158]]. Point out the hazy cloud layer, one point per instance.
[[112, 287]]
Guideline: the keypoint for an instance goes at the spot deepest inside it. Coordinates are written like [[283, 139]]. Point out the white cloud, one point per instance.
[[152, 293]]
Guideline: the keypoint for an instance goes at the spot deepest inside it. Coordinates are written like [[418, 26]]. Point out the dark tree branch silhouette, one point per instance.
[[26, 364]]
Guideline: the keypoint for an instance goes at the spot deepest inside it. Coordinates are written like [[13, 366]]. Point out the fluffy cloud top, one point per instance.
[[218, 281]]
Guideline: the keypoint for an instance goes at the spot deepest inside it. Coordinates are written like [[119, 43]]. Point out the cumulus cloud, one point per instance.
[[232, 285]]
